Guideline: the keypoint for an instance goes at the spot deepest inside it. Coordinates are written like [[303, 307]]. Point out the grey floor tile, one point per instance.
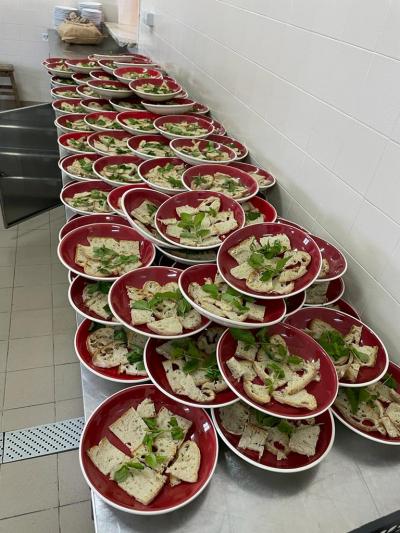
[[39, 222], [30, 387], [32, 275], [36, 237], [33, 255], [5, 299], [3, 355], [30, 352], [39, 522], [64, 351], [76, 517], [59, 274], [7, 256], [68, 383], [2, 387], [27, 486], [33, 323], [32, 297], [72, 487], [64, 319], [66, 409], [26, 417], [8, 238], [6, 276], [60, 295], [57, 213], [4, 326]]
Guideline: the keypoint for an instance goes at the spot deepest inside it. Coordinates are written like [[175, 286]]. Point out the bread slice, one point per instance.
[[300, 399], [186, 465], [298, 383], [106, 456], [146, 409], [164, 416], [258, 393], [253, 438], [245, 351], [304, 440], [234, 417], [144, 485], [130, 429], [166, 326], [241, 369]]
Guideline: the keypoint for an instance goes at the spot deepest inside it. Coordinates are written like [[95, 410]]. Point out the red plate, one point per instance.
[[61, 121], [345, 307], [132, 199], [294, 461], [120, 305], [239, 148], [274, 310], [125, 115], [83, 354], [202, 170], [117, 134], [219, 129], [160, 122], [334, 292], [246, 167], [67, 161], [337, 261], [267, 210], [194, 198], [76, 300], [63, 141], [294, 303], [58, 91], [120, 73], [170, 498], [343, 322], [67, 246], [300, 344], [82, 186], [111, 115], [83, 220], [134, 142], [299, 241], [101, 75], [81, 77], [394, 370], [115, 197], [56, 105], [173, 86], [177, 145], [153, 362], [147, 166], [200, 109], [115, 160], [85, 103]]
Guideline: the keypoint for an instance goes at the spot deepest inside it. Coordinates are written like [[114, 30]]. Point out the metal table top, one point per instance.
[[355, 484], [58, 48]]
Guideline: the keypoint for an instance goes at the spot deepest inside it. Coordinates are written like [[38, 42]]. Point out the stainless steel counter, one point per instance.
[[355, 484], [58, 48]]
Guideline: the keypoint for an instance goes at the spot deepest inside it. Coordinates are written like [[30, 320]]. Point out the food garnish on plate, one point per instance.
[[184, 128], [252, 214], [220, 182], [121, 172], [82, 167], [316, 293], [95, 297], [270, 372], [155, 148], [103, 121], [144, 125], [71, 107], [144, 215], [167, 176], [210, 152], [151, 88], [80, 144], [76, 124], [112, 347], [94, 201], [112, 145], [269, 264], [158, 452]]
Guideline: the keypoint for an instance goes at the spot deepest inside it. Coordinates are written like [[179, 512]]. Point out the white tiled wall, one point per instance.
[[22, 23], [313, 88]]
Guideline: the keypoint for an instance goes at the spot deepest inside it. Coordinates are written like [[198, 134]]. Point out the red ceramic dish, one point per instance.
[[298, 343], [127, 104], [134, 143], [53, 67], [194, 199], [160, 124], [91, 119], [67, 246], [334, 292], [133, 199], [343, 322], [57, 92], [87, 92], [134, 61], [275, 310], [200, 109], [80, 77], [174, 89], [115, 197], [120, 305], [85, 103], [83, 220], [147, 166], [294, 303], [83, 354], [116, 134], [178, 144], [294, 462], [103, 87], [337, 261], [299, 241], [345, 307], [239, 148], [153, 362], [219, 129], [267, 210], [170, 498], [281, 220], [76, 300], [123, 118], [394, 371], [246, 167], [67, 161], [121, 73], [65, 147], [82, 186], [62, 122], [53, 60], [175, 106], [211, 169], [101, 75], [115, 160], [74, 64], [56, 105]]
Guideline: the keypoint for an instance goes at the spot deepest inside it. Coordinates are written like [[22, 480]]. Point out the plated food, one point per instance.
[[104, 251], [176, 106], [67, 106], [96, 104], [149, 301], [334, 263], [239, 148], [114, 199], [74, 143], [197, 152], [79, 166], [81, 65], [110, 88], [196, 220], [137, 122], [71, 122], [83, 220], [103, 121], [358, 354], [145, 453], [100, 75], [80, 78], [110, 143], [59, 68], [186, 369], [257, 210], [274, 444], [127, 74], [269, 260], [118, 169], [111, 351], [326, 293], [164, 174], [221, 178], [127, 104], [183, 126], [373, 411], [87, 92], [204, 288], [155, 90], [65, 92], [278, 370], [150, 146], [264, 179], [345, 307], [88, 196]]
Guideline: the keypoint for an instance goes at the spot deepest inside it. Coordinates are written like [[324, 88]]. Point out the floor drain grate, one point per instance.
[[42, 440]]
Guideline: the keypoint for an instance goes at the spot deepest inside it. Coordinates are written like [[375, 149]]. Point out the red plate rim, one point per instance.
[[263, 206], [116, 397], [335, 291], [76, 221], [327, 254]]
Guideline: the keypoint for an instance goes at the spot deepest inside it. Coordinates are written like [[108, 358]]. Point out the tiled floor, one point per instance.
[[39, 380]]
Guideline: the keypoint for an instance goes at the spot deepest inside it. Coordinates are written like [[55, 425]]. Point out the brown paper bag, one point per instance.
[[80, 33]]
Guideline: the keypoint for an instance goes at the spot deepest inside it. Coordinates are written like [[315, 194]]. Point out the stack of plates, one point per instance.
[[60, 13], [94, 15]]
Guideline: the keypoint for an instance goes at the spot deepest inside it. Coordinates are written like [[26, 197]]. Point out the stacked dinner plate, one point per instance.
[[60, 13], [93, 15]]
